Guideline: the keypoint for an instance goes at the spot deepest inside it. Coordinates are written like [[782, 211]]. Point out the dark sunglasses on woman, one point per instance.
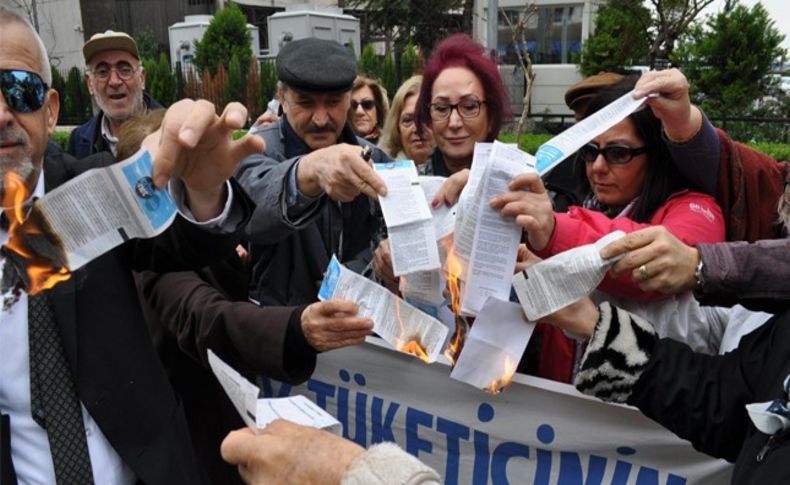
[[23, 91], [367, 104], [613, 154]]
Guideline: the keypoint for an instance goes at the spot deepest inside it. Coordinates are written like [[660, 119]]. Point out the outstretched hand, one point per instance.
[[197, 146]]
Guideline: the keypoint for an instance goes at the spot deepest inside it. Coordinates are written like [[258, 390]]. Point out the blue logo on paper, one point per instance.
[[548, 156], [330, 280], [145, 187], [394, 165], [155, 203]]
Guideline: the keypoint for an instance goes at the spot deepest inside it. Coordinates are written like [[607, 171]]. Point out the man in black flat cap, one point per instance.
[[314, 189]]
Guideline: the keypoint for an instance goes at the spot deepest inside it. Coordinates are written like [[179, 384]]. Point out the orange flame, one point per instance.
[[454, 270], [40, 270], [412, 345], [500, 383]]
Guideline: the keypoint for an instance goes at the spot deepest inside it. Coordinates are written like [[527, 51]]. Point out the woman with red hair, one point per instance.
[[462, 100]]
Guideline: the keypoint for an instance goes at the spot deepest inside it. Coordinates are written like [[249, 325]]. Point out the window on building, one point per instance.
[[553, 34]]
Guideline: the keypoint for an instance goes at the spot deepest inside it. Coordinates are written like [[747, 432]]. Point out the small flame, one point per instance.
[[454, 270], [412, 345], [40, 270], [500, 383]]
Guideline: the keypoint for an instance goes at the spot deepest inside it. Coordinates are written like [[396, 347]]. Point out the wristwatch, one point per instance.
[[699, 278]]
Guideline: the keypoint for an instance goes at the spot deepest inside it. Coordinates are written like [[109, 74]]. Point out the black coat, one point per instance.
[[701, 398], [118, 375]]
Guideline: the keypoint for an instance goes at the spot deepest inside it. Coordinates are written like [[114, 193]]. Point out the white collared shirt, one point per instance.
[[29, 444], [112, 141]]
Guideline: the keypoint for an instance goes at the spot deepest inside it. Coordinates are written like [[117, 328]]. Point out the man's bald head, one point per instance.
[[8, 16]]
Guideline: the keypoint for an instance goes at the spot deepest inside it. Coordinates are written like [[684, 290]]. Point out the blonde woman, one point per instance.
[[399, 137]]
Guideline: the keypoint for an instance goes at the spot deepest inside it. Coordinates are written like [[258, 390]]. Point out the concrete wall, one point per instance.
[[60, 27]]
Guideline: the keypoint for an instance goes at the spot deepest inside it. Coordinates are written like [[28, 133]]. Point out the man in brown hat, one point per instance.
[[116, 80], [579, 95]]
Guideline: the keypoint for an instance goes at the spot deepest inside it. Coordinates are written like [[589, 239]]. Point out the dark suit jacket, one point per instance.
[[118, 375], [189, 312]]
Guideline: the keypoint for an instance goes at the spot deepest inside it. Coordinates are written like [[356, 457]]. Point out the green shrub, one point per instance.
[[62, 137], [529, 141], [236, 86], [268, 82], [369, 64], [389, 77], [226, 36], [779, 151], [408, 61]]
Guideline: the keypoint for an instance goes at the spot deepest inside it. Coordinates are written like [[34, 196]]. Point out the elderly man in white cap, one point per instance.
[[116, 80]]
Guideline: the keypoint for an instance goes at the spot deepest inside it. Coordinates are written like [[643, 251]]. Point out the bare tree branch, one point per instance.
[[524, 60]]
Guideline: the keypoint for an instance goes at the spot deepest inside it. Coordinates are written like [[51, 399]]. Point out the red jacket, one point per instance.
[[692, 217]]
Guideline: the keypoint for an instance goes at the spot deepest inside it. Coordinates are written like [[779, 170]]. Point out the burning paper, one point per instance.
[[399, 323], [411, 231], [453, 267], [556, 282], [494, 346], [33, 258], [258, 413], [554, 151], [80, 220], [495, 238]]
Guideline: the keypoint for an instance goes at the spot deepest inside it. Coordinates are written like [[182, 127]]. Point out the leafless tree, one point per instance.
[[672, 19], [519, 31]]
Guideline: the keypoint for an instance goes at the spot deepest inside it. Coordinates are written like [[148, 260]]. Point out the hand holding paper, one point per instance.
[[556, 282], [340, 172], [333, 324], [394, 320], [680, 119], [531, 206], [669, 265], [285, 453]]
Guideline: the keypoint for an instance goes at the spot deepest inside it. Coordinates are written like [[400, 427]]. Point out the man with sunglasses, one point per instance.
[[81, 388], [116, 81], [312, 186]]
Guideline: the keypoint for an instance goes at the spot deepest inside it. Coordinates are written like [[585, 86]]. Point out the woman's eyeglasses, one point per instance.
[[466, 109], [367, 104], [613, 154], [23, 91]]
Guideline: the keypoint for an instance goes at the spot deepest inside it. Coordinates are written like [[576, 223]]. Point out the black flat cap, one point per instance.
[[316, 65]]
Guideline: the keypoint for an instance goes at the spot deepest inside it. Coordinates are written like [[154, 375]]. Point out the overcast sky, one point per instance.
[[779, 10]]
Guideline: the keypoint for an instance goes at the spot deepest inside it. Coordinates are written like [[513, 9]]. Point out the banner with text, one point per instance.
[[535, 432]]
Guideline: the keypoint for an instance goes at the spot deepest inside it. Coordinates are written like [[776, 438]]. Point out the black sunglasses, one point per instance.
[[24, 91], [613, 154], [367, 104]]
